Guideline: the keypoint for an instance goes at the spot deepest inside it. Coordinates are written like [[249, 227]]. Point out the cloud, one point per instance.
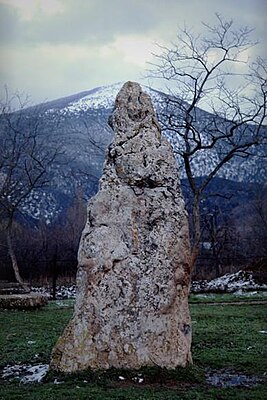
[[101, 21], [51, 71], [133, 49], [11, 27], [51, 48], [79, 21], [29, 8]]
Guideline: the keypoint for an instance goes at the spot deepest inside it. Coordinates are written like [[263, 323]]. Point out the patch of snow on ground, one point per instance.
[[208, 296], [66, 292], [262, 291], [138, 378], [239, 282], [229, 379], [56, 382], [62, 292], [25, 373]]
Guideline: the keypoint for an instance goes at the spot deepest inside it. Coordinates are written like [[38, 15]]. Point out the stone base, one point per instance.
[[23, 301]]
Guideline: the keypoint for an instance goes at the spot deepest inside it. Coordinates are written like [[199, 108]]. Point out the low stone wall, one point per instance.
[[23, 301]]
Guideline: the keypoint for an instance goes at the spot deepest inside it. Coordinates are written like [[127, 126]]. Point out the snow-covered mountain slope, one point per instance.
[[95, 105], [101, 97], [78, 125]]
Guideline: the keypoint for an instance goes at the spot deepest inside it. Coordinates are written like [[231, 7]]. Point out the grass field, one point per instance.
[[228, 297], [226, 338]]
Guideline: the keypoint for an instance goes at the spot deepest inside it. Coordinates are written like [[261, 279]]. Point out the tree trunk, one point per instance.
[[196, 231], [14, 259], [54, 273]]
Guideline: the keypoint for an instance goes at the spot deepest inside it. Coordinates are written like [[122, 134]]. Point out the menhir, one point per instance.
[[133, 276]]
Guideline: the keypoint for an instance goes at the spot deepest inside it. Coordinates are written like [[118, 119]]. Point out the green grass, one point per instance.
[[224, 337], [227, 297], [229, 337], [42, 327], [90, 392]]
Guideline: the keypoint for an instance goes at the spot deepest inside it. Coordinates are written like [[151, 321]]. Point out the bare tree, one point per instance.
[[212, 71], [25, 160], [253, 230]]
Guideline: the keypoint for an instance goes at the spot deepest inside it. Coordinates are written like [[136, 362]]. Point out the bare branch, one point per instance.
[[213, 71]]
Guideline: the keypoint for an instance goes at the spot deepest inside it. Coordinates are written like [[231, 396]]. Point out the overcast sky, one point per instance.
[[54, 48]]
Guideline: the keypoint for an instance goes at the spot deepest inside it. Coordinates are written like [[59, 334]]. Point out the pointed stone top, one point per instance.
[[132, 107], [139, 155]]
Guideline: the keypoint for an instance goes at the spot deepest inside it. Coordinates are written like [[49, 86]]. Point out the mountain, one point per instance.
[[95, 105], [78, 125]]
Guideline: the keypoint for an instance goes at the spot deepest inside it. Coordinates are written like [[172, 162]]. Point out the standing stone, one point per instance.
[[133, 276]]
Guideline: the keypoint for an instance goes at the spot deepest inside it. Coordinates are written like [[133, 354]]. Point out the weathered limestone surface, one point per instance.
[[23, 301], [133, 276]]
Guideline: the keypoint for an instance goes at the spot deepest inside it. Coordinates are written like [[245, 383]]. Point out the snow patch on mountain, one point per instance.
[[103, 97], [41, 205]]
